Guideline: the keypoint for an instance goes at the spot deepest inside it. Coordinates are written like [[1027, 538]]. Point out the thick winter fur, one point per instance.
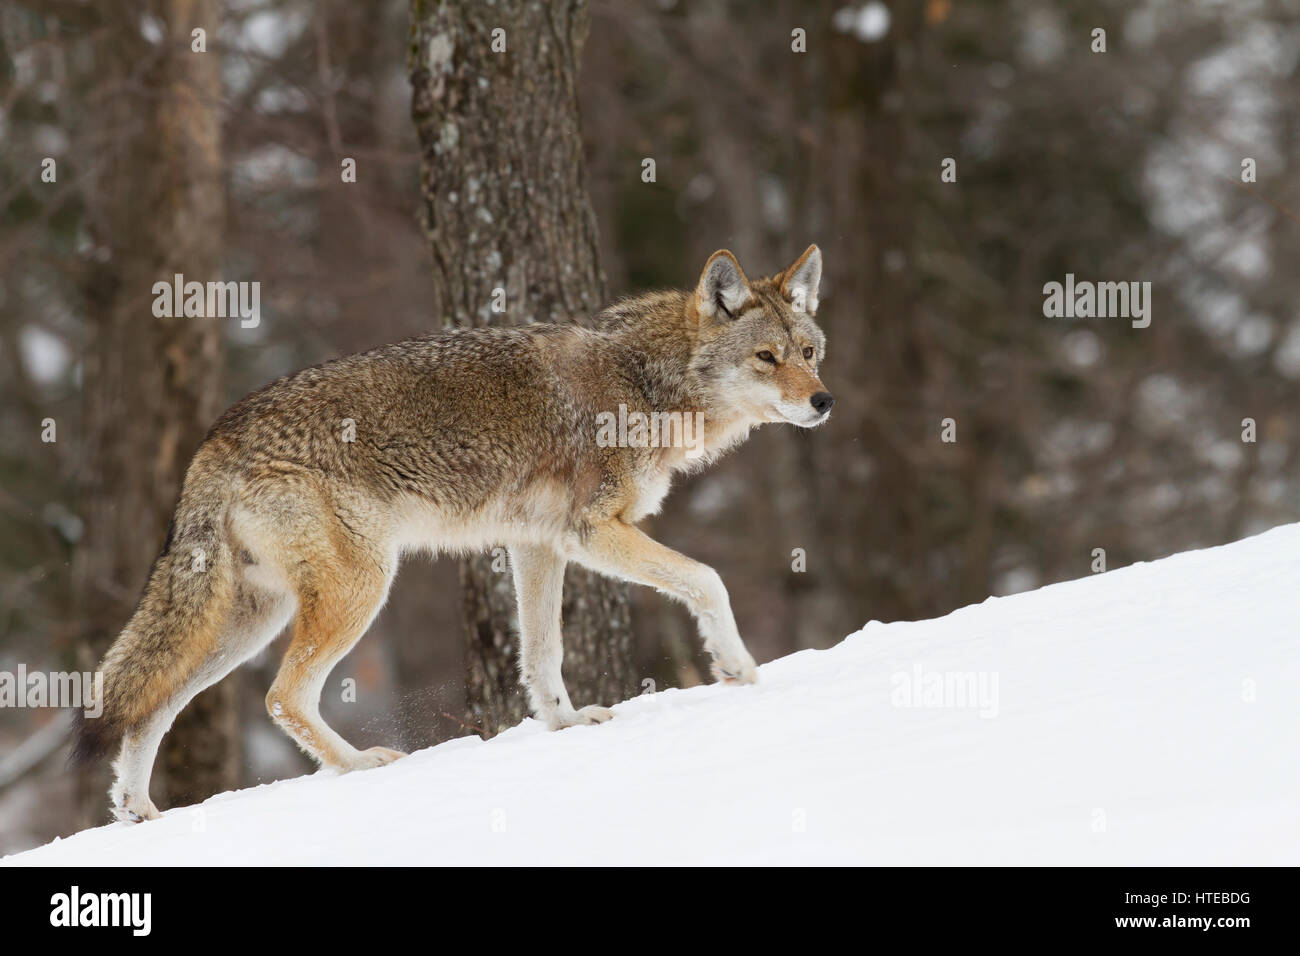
[[463, 440]]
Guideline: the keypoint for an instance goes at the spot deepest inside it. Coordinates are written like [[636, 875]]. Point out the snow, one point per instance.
[[868, 23], [1147, 715]]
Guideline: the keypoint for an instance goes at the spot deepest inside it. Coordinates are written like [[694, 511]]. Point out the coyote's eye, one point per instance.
[[808, 352], [766, 356]]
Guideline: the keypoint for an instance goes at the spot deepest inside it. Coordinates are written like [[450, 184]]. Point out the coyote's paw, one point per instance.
[[737, 667], [130, 809], [591, 714], [378, 756], [368, 759]]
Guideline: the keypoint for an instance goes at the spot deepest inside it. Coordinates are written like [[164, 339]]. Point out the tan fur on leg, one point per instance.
[[621, 550], [337, 599]]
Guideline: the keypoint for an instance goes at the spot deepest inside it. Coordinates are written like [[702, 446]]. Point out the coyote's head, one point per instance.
[[758, 346]]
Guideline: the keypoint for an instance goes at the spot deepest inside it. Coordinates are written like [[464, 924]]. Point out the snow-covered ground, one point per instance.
[[1147, 715]]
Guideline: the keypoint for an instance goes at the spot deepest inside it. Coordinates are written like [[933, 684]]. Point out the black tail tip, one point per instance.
[[93, 739]]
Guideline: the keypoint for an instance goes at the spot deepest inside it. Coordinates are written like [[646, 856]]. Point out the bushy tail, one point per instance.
[[174, 627]]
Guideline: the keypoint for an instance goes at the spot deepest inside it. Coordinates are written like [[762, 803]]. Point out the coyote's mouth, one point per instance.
[[801, 419]]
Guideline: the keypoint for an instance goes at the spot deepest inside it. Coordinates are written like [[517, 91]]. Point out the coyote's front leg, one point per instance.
[[617, 548], [539, 591]]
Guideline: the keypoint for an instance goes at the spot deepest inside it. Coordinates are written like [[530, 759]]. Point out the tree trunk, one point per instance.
[[509, 221], [151, 386], [860, 156]]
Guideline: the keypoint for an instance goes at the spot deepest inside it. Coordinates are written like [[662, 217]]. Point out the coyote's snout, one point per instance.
[[301, 501]]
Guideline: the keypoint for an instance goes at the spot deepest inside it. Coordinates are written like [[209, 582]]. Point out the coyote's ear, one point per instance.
[[723, 288], [800, 282]]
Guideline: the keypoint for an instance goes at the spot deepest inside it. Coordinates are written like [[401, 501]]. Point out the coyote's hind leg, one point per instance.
[[340, 590], [244, 628]]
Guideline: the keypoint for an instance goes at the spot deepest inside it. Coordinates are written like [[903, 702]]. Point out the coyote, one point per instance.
[[304, 496]]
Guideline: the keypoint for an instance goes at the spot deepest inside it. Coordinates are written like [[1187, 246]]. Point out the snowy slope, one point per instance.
[[1146, 715]]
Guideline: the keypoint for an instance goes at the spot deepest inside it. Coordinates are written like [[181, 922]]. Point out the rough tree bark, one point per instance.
[[151, 386], [504, 208]]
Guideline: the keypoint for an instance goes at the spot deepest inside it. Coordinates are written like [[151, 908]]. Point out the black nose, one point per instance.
[[822, 401]]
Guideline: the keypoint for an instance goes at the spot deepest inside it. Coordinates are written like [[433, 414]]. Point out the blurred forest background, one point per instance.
[[1071, 435]]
